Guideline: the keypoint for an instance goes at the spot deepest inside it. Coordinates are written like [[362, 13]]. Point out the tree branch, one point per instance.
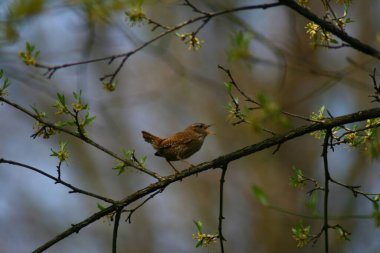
[[326, 188], [205, 17], [353, 42], [58, 180], [50, 70], [115, 229], [216, 163], [80, 136], [131, 211], [221, 217]]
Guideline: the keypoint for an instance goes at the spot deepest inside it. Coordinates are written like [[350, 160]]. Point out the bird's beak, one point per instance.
[[208, 131]]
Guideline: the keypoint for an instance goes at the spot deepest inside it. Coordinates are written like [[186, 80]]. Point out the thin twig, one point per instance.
[[195, 9], [131, 211], [59, 172], [58, 180], [349, 131], [221, 217], [251, 100], [319, 217], [326, 188], [115, 229], [334, 46], [376, 96], [355, 192]]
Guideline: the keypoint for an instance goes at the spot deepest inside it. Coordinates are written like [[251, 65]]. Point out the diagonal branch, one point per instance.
[[81, 137], [131, 211], [216, 163], [58, 180], [353, 42]]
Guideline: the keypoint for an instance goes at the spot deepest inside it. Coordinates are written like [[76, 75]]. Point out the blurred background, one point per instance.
[[162, 89]]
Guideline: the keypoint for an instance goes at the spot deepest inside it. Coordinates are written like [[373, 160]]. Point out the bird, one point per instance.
[[181, 145]]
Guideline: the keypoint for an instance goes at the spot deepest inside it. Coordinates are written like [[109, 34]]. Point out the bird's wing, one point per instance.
[[176, 140]]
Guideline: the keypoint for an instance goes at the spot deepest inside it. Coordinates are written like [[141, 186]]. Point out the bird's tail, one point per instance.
[[152, 139]]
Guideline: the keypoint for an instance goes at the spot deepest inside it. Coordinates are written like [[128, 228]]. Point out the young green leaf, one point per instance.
[[199, 225], [100, 207], [120, 168], [228, 86], [260, 195], [142, 160], [128, 154], [312, 203]]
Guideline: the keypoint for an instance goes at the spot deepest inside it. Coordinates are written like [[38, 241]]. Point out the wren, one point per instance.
[[181, 145]]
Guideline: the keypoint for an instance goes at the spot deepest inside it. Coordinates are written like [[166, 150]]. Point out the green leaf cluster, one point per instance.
[[320, 116], [73, 111], [203, 239], [366, 137], [233, 107], [30, 55], [317, 34], [110, 86], [297, 180], [129, 155], [41, 129], [193, 42], [135, 16], [6, 84], [62, 154], [301, 234], [239, 46], [343, 234], [271, 111]]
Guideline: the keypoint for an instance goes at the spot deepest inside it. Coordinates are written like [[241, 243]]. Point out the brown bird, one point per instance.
[[180, 145]]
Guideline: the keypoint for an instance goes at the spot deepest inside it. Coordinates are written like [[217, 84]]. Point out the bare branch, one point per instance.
[[325, 229], [131, 211], [58, 180], [251, 100], [376, 96], [221, 217], [115, 230]]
